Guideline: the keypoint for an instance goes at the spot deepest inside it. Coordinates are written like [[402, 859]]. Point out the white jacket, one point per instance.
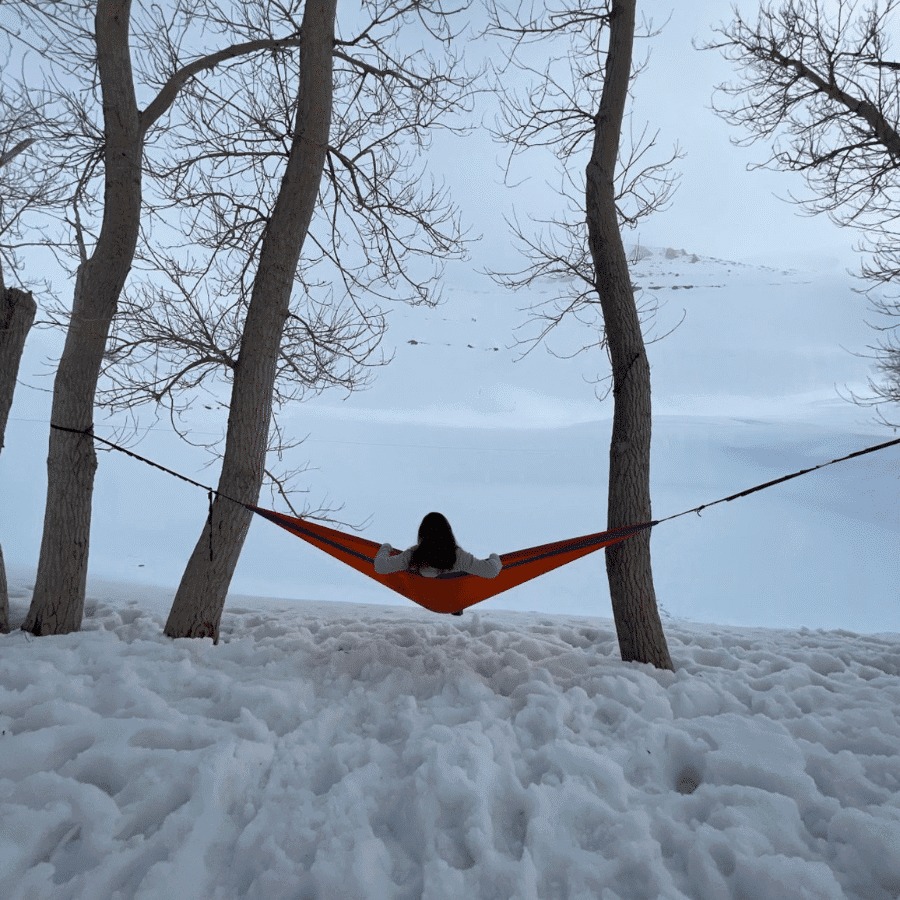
[[465, 562]]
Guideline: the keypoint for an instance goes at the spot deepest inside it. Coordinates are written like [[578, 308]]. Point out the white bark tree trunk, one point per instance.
[[628, 567], [58, 601], [197, 607], [17, 311]]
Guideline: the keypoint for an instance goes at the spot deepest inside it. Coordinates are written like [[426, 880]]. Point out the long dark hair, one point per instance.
[[437, 546]]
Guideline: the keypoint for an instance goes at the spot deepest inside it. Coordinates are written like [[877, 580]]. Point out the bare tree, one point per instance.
[[198, 603], [23, 187], [251, 328], [816, 80], [17, 310], [100, 57], [563, 112], [373, 221]]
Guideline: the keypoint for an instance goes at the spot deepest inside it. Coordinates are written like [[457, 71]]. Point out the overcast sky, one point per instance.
[[720, 209]]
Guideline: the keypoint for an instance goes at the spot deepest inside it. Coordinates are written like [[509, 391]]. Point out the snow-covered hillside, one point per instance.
[[367, 749], [514, 452]]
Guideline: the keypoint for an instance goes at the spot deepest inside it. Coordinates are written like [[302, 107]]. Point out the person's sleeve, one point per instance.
[[483, 568], [385, 563]]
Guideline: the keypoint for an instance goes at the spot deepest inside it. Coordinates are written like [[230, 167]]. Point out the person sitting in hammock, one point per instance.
[[436, 553]]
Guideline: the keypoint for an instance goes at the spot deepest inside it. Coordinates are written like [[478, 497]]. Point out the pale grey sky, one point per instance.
[[720, 209]]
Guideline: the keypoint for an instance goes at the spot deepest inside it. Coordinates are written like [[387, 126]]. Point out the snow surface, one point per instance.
[[339, 750], [335, 747]]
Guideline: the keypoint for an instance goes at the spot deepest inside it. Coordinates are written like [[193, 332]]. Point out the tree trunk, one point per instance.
[[58, 601], [17, 310], [197, 607], [628, 568], [4, 598]]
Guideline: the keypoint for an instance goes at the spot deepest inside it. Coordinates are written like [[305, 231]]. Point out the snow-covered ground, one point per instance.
[[341, 743], [358, 752]]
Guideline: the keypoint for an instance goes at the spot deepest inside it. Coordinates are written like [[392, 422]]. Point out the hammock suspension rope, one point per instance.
[[454, 591]]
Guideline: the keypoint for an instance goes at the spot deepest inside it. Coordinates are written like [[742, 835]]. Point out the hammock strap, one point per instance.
[[760, 487], [209, 523], [89, 431], [696, 509]]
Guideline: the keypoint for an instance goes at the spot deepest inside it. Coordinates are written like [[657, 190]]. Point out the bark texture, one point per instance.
[[17, 311], [628, 567], [4, 598], [197, 608], [58, 601]]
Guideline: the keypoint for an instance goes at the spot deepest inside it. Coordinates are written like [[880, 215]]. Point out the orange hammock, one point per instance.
[[456, 590]]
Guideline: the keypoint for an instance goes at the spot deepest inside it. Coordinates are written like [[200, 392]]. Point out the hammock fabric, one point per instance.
[[454, 591]]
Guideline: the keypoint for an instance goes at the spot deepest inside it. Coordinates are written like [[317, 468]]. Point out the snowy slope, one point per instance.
[[358, 749], [514, 451]]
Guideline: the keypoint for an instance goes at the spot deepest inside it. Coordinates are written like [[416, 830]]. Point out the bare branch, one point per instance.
[[379, 232], [557, 109], [19, 148], [166, 97], [817, 84]]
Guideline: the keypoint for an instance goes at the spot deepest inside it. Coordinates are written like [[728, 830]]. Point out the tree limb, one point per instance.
[[166, 97], [19, 148]]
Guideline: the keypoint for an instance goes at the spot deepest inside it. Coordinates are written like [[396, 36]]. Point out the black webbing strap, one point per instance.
[[696, 509], [760, 487], [210, 491], [90, 432]]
